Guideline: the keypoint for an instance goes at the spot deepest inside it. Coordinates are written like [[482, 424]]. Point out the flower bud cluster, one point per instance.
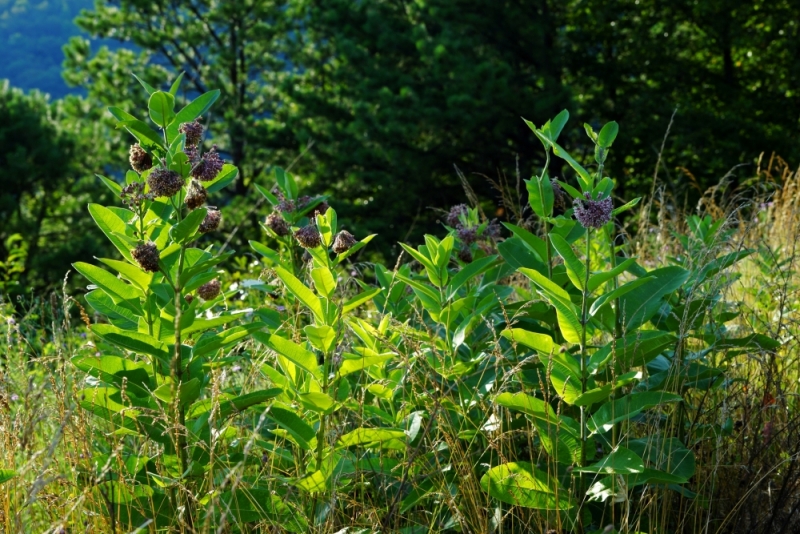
[[133, 195]]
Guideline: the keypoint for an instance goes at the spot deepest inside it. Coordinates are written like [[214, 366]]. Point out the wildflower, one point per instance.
[[284, 205], [308, 237], [188, 298], [454, 216], [196, 196], [133, 194], [164, 182], [467, 235], [343, 242], [593, 213], [276, 223], [140, 160], [193, 153], [211, 221], [492, 230], [146, 255], [14, 397], [193, 131], [208, 167], [465, 255], [209, 290]]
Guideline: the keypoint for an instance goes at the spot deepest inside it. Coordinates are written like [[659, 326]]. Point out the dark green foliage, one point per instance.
[[42, 189]]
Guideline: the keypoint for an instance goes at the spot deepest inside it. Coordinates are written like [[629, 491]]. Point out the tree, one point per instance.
[[43, 188]]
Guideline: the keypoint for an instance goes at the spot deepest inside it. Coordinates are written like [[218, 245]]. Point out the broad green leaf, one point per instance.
[[370, 436], [665, 454], [469, 272], [173, 90], [575, 268], [147, 87], [110, 223], [121, 316], [247, 504], [621, 461], [132, 273], [584, 178], [111, 184], [115, 370], [352, 363], [229, 406], [110, 283], [641, 304], [213, 342], [533, 340], [187, 228], [305, 359], [188, 392], [625, 207], [598, 279], [322, 337], [267, 252], [568, 319], [527, 404], [540, 196], [431, 268], [288, 420], [324, 281], [633, 350], [192, 111], [626, 407], [607, 134], [317, 401], [143, 133], [225, 177], [521, 484], [161, 107], [134, 341], [301, 292], [361, 298], [616, 293]]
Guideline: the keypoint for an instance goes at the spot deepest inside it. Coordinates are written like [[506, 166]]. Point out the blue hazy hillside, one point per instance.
[[31, 36]]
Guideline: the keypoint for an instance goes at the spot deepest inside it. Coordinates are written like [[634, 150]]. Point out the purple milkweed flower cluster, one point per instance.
[[210, 222], [454, 215], [277, 224], [139, 159], [193, 132], [343, 242], [209, 290], [133, 195], [207, 167], [308, 237], [592, 213], [147, 256], [164, 182], [196, 196]]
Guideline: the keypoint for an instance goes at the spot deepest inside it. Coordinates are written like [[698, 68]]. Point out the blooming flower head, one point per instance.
[[276, 223], [139, 159], [196, 196], [164, 182], [211, 221], [454, 216], [592, 213], [209, 290], [193, 131], [208, 167], [308, 237], [147, 256], [344, 241]]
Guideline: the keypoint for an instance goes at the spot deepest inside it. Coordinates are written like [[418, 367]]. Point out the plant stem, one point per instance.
[[584, 323]]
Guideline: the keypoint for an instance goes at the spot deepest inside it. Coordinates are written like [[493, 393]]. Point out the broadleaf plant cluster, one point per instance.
[[546, 373]]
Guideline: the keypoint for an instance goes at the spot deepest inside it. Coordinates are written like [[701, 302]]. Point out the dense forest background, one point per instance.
[[376, 103]]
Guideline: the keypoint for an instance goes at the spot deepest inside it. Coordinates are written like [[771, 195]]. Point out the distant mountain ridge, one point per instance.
[[31, 36]]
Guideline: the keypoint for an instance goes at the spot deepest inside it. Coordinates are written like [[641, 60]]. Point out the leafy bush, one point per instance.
[[546, 381]]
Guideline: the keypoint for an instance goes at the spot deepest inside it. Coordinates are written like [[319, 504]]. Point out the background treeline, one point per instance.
[[375, 102]]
